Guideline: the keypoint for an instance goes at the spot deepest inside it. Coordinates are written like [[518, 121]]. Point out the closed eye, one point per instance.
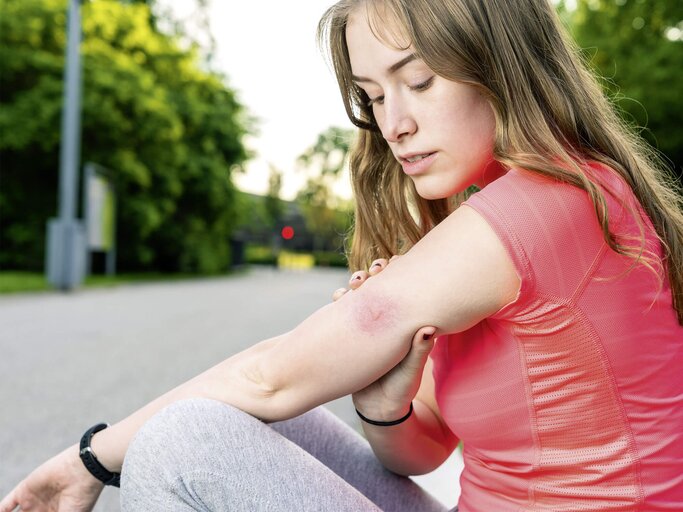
[[422, 86], [378, 100]]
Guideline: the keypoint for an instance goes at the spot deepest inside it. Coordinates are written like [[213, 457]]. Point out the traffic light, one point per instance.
[[288, 232]]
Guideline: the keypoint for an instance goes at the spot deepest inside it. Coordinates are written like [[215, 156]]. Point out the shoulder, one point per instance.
[[526, 208], [550, 228], [456, 276]]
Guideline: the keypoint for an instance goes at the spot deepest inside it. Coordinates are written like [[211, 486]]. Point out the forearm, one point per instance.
[[416, 446], [229, 382]]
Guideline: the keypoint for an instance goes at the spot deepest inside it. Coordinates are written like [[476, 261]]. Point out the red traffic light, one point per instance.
[[288, 232]]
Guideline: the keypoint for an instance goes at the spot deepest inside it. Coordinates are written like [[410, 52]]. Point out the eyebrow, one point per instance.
[[392, 69]]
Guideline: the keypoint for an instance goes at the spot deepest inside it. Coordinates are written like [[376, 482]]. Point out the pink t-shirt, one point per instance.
[[571, 397]]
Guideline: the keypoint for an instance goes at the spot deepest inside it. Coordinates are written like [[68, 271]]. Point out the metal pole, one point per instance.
[[65, 247], [88, 172], [71, 118]]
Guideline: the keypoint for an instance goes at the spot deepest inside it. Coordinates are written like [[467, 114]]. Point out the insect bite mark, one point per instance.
[[373, 314]]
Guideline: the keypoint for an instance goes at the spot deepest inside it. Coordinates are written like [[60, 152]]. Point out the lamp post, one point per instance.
[[65, 258]]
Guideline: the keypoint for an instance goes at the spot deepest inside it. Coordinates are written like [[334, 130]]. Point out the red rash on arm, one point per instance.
[[374, 313]]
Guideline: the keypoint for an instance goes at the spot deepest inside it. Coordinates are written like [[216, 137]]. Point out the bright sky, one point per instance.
[[268, 50]]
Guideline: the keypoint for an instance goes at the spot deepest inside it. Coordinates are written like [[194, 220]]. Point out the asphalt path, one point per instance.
[[69, 360]]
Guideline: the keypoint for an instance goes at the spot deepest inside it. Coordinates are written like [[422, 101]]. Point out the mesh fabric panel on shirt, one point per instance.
[[586, 457]]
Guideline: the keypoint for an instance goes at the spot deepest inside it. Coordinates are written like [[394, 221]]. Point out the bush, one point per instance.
[[330, 259], [260, 255]]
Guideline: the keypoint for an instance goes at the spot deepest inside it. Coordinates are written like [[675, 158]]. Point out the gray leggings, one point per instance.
[[205, 455]]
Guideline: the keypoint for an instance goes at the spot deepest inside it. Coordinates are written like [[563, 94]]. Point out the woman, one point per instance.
[[556, 294]]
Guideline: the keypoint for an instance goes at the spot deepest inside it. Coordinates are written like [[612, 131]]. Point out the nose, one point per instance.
[[397, 121]]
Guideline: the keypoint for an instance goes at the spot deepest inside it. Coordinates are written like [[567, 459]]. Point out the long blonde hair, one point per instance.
[[551, 118]]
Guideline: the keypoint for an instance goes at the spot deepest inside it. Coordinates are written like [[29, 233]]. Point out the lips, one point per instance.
[[416, 163], [414, 157]]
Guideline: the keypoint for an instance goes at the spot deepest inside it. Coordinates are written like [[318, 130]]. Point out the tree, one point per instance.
[[323, 162], [638, 46], [329, 154], [273, 204], [171, 132]]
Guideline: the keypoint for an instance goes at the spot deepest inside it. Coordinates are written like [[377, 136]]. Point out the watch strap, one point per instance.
[[90, 461]]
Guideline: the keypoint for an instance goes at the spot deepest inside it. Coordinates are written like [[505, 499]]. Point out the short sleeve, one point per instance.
[[549, 230]]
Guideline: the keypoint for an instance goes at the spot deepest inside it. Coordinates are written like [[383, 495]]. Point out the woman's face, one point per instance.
[[440, 131]]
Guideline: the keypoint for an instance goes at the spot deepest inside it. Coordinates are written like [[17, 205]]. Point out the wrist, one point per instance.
[[91, 461], [79, 472], [380, 410], [104, 444], [387, 422]]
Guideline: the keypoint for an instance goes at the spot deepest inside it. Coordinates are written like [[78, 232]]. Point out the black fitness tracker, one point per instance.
[[90, 459]]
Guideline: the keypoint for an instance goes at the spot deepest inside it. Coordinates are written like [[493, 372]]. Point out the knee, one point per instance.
[[167, 443]]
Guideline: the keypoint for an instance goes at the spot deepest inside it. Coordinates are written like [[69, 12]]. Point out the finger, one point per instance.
[[423, 342], [357, 279], [338, 293], [9, 503], [424, 336], [377, 266]]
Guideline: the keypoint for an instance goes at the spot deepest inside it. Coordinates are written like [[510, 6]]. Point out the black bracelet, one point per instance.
[[90, 459], [386, 423]]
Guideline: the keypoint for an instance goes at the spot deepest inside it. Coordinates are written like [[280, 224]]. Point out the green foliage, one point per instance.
[[638, 46], [330, 259], [330, 151], [260, 255], [170, 131], [253, 219], [265, 255], [274, 206], [326, 219], [13, 282]]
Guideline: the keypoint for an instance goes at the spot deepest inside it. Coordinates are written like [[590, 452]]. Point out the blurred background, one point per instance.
[[216, 132]]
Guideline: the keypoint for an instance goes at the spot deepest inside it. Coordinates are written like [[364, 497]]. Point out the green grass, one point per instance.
[[15, 281], [104, 281]]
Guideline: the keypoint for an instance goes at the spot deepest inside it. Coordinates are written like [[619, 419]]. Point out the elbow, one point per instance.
[[262, 392], [430, 458], [273, 401], [259, 386]]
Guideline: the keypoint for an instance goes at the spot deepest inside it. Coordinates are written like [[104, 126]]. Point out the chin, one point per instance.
[[434, 193], [433, 197]]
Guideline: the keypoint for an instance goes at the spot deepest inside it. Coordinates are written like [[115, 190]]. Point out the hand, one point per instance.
[[389, 397], [62, 484], [359, 277]]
